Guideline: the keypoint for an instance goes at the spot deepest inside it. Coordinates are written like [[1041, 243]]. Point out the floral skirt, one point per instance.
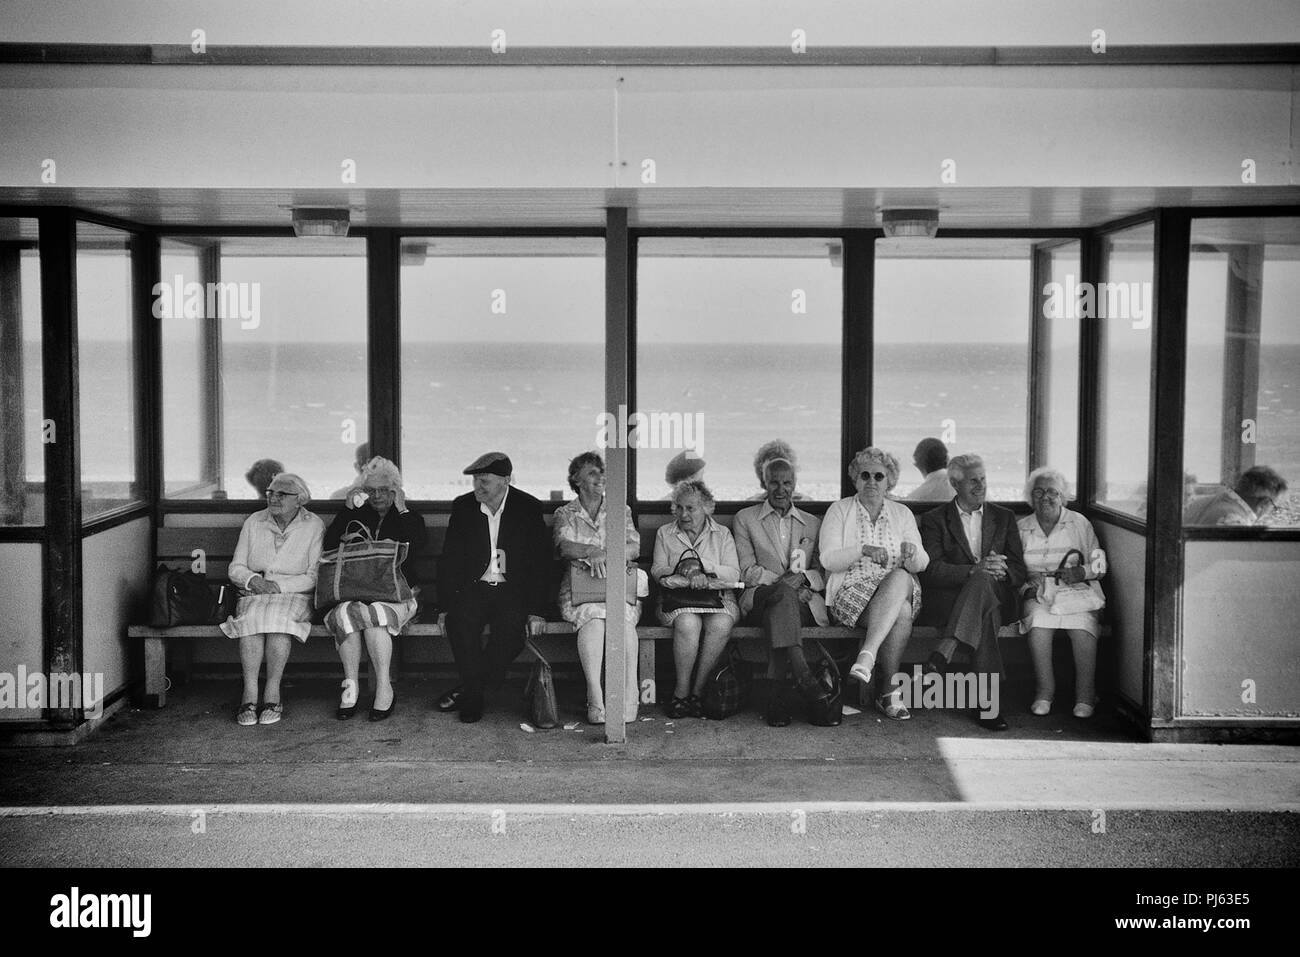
[[859, 588]]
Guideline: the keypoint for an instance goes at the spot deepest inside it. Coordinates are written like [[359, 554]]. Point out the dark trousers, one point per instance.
[[500, 607], [780, 613], [976, 617]]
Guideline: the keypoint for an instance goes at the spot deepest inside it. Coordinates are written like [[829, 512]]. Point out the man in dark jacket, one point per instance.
[[976, 570], [495, 570]]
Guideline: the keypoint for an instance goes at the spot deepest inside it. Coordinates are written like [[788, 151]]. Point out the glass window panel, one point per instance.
[[503, 349], [952, 354], [22, 454], [741, 338], [1059, 332], [182, 376], [1243, 368], [1122, 307], [277, 340], [106, 351]]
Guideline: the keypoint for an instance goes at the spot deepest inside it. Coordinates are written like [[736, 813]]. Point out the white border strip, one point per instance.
[[622, 810]]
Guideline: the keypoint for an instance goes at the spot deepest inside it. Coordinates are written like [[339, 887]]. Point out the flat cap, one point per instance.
[[496, 463]]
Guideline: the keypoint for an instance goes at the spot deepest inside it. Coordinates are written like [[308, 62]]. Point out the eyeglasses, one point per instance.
[[878, 476], [378, 491], [273, 493], [1050, 494]]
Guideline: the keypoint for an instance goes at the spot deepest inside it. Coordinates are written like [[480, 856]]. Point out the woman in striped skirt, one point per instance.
[[275, 568], [377, 502]]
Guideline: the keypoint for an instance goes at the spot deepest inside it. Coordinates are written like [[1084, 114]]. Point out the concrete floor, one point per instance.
[[423, 788]]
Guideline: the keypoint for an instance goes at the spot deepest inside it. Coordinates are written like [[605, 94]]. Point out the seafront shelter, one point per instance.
[[1063, 237]]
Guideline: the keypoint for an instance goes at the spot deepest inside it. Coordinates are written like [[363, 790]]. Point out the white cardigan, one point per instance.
[[841, 547]]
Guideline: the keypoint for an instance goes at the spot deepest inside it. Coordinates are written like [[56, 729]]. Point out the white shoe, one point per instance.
[[1041, 707], [1082, 710], [862, 667], [595, 714]]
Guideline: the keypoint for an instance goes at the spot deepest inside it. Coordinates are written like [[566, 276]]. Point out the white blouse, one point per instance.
[[287, 557]]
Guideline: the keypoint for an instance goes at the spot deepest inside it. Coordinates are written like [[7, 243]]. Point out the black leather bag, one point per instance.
[[539, 692], [187, 598], [826, 711], [673, 599], [727, 690]]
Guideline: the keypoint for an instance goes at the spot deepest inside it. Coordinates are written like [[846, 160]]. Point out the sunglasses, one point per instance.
[[878, 476]]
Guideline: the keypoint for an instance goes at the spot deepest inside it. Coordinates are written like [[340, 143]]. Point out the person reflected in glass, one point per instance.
[[260, 473], [1251, 501], [1047, 537], [931, 460], [359, 459]]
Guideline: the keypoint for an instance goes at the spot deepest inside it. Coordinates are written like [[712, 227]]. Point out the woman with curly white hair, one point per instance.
[[376, 501], [1048, 536], [274, 567], [872, 549]]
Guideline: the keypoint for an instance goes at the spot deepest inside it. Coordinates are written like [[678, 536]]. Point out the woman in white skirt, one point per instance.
[[579, 532], [376, 501], [275, 568], [1048, 536]]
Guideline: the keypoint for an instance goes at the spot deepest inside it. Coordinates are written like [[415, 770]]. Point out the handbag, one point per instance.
[[673, 599], [362, 568], [187, 598], [727, 690], [1071, 599], [828, 710], [585, 587], [539, 692]]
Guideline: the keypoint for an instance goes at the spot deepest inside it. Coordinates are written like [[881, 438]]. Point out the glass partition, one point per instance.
[[738, 345], [1123, 308], [503, 349], [1242, 431], [264, 358], [22, 458], [106, 350], [952, 354]]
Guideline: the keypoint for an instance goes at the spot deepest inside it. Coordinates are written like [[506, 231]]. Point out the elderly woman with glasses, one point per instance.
[[1048, 536], [275, 569], [871, 547], [377, 502]]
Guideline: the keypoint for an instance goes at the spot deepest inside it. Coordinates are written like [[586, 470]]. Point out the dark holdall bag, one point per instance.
[[187, 598], [362, 568], [826, 711], [672, 599], [539, 692], [727, 690]]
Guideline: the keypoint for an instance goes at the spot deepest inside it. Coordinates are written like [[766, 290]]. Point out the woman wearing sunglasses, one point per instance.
[[872, 549], [275, 568]]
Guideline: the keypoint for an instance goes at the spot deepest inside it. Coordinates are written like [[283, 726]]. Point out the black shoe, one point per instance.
[[470, 707], [997, 723], [451, 700], [344, 713], [936, 664], [778, 710], [377, 715]]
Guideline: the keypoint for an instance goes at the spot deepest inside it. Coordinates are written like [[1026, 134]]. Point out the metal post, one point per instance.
[[617, 258]]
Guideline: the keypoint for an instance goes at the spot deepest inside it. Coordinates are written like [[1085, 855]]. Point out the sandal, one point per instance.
[[247, 713], [678, 708], [863, 671], [695, 706], [895, 710], [270, 713]]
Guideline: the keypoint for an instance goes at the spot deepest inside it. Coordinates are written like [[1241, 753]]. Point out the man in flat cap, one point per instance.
[[495, 570]]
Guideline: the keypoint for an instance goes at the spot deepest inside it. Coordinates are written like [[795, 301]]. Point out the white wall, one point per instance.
[[21, 617], [116, 570], [1125, 585], [1241, 623], [462, 128]]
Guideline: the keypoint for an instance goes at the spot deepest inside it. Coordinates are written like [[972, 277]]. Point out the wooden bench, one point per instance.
[[176, 546]]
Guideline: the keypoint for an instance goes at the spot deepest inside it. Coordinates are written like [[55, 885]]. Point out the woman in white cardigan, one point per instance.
[[872, 550]]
